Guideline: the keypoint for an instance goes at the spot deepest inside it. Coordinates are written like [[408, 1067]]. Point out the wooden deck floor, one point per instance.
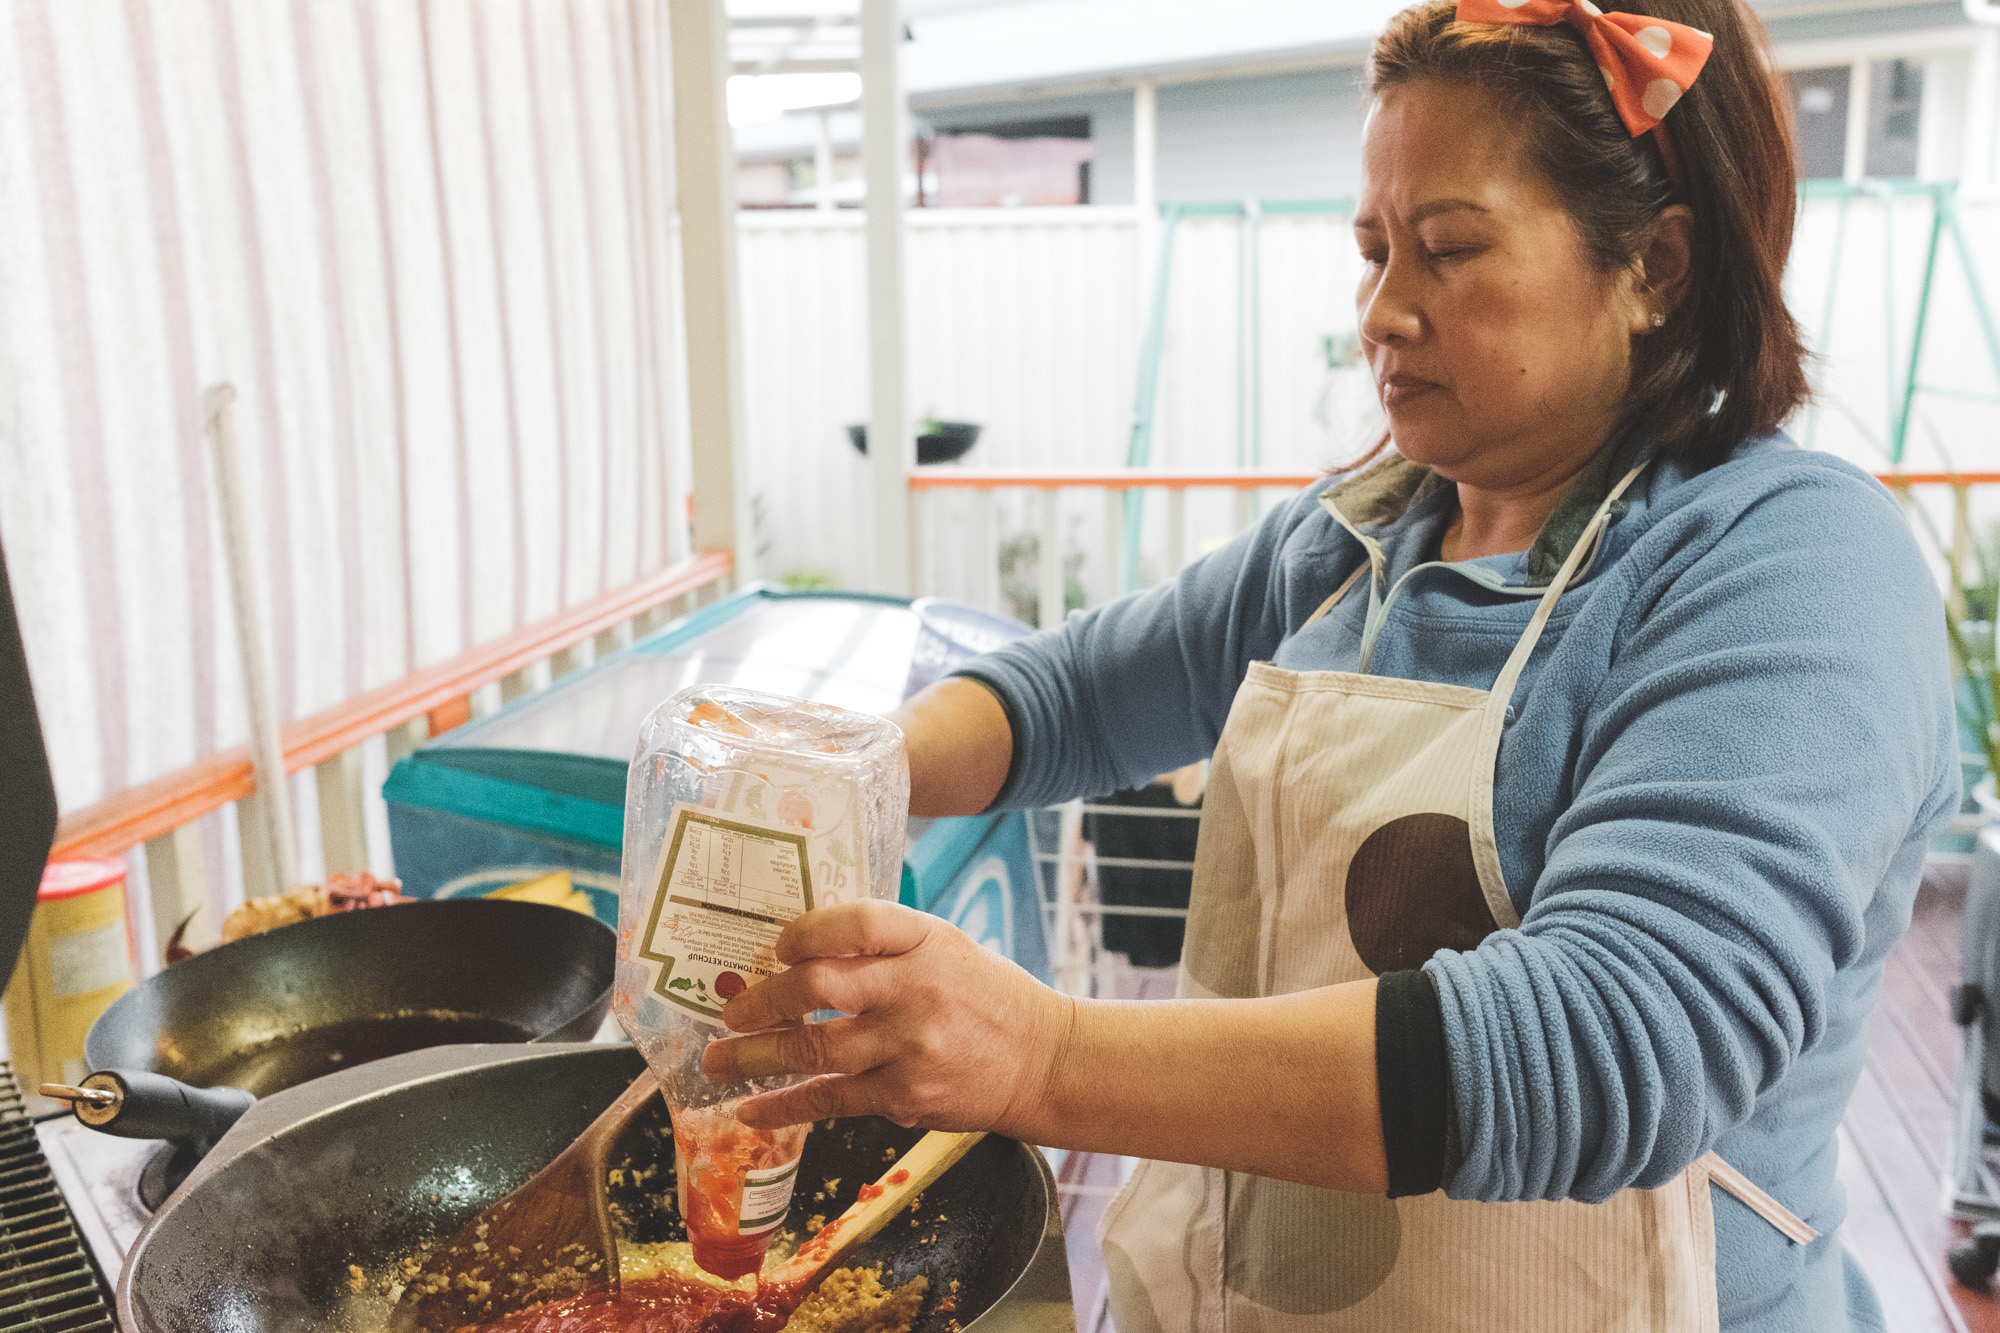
[[1892, 1146]]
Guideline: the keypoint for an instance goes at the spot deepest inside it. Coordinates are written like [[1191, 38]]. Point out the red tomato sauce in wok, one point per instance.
[[657, 1305]]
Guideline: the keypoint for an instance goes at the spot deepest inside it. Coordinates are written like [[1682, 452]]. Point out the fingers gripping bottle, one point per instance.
[[742, 810]]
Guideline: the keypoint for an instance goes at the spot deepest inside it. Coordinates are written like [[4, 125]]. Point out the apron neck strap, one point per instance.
[[1376, 569], [1334, 599], [1587, 543]]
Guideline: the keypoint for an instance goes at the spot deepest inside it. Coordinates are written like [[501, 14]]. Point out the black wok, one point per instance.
[[274, 1010], [361, 1167]]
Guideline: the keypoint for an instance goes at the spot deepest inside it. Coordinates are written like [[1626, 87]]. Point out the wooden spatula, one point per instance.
[[548, 1239], [928, 1158]]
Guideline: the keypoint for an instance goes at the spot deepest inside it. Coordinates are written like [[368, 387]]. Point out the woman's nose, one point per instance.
[[1388, 313]]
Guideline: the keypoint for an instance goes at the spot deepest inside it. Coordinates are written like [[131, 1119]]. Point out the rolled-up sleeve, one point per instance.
[[1769, 735]]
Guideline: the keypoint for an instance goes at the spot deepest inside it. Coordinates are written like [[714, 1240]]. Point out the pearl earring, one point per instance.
[[1658, 319]]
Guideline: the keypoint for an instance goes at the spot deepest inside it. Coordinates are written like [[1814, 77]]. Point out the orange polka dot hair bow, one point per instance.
[[1647, 62]]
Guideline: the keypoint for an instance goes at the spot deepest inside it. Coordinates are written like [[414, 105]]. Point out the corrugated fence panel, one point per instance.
[[1029, 321], [431, 246], [1313, 417], [1864, 258], [1025, 321], [806, 371], [1864, 340]]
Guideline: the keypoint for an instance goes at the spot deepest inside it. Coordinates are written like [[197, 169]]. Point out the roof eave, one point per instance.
[[1123, 77]]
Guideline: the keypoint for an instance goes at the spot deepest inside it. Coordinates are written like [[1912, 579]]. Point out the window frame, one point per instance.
[[1862, 54]]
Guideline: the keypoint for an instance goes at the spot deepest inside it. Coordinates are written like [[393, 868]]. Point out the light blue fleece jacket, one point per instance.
[[1712, 802]]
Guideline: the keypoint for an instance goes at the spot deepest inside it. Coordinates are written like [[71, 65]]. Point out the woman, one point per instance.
[[1573, 765]]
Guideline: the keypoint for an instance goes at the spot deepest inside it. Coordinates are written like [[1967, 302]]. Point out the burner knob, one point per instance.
[[137, 1104], [96, 1103]]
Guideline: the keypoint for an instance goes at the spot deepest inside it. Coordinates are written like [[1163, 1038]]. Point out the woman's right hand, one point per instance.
[[941, 1033], [938, 1031]]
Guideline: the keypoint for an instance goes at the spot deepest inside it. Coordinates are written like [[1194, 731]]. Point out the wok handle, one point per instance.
[[136, 1104]]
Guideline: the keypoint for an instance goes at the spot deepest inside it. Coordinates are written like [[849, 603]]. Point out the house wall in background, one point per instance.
[[1277, 136], [1295, 134]]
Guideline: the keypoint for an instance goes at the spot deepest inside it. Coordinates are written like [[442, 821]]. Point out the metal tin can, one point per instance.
[[76, 961]]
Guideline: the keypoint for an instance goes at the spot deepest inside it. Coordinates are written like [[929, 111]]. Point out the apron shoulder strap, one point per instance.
[[1338, 593], [1586, 543], [1485, 852], [1795, 1228]]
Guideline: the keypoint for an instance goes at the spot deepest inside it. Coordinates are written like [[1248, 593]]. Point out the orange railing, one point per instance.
[[1118, 479], [1900, 479], [1114, 479], [439, 693], [960, 528], [1116, 483]]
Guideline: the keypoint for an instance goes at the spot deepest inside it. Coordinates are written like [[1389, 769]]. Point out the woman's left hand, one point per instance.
[[941, 1032]]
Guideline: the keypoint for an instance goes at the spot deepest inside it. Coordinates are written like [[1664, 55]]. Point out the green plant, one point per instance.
[[759, 541], [1019, 555], [1341, 352], [806, 579], [1020, 577], [1972, 596]]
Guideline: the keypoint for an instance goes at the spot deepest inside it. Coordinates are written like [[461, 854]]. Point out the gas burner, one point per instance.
[[100, 1178], [163, 1172], [46, 1280]]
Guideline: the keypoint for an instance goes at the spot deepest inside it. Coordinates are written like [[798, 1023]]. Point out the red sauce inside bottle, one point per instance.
[[716, 1149]]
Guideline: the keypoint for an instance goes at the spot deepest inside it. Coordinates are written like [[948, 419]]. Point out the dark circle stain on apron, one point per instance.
[[1412, 889], [1301, 1250]]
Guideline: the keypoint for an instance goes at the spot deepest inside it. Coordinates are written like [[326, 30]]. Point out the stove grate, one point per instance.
[[47, 1282]]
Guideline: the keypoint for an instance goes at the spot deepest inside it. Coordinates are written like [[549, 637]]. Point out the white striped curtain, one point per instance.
[[429, 242]]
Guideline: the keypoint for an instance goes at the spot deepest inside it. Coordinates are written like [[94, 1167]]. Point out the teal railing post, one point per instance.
[[1899, 435], [1139, 448], [1890, 345], [1948, 200], [1832, 293], [1139, 451]]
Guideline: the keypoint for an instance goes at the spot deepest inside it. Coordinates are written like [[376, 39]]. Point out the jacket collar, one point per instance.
[[1379, 497]]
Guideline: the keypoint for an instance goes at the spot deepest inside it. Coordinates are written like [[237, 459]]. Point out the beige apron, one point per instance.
[[1347, 831]]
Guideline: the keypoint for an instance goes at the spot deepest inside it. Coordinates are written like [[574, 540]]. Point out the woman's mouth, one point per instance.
[[1399, 389]]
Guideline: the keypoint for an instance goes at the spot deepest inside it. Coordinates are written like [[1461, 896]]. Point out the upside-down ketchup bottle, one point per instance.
[[742, 810]]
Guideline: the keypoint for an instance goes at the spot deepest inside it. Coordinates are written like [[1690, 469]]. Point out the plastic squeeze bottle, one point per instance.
[[742, 810]]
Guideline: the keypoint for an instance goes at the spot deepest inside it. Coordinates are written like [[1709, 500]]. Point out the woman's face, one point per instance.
[[1499, 350]]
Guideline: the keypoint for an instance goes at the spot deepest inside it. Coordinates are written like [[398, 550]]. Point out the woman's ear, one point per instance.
[[1661, 268]]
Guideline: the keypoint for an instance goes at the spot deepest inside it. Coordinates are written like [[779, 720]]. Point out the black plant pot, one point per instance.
[[951, 441]]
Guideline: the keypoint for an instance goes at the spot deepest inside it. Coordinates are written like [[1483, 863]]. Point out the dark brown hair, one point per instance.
[[1729, 364]]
